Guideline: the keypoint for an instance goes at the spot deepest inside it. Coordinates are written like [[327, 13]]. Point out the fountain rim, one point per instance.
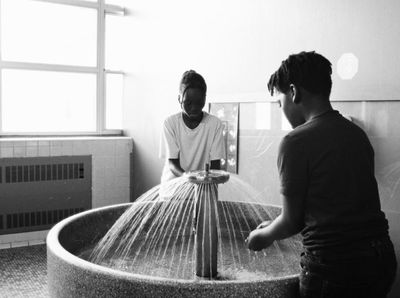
[[53, 245]]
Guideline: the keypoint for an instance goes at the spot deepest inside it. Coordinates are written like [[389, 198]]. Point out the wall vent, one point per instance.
[[38, 218], [44, 172], [37, 192]]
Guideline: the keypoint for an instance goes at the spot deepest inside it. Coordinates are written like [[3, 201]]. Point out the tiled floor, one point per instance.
[[23, 272]]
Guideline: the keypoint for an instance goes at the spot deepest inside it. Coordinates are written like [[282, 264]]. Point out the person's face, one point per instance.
[[192, 102], [290, 108]]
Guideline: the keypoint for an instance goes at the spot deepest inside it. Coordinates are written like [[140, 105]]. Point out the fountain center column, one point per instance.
[[206, 238], [206, 231]]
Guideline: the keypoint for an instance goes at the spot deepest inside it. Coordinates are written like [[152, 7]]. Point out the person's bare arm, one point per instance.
[[288, 223], [175, 167]]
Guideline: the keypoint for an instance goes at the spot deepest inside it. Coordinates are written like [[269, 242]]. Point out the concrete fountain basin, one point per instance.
[[72, 276]]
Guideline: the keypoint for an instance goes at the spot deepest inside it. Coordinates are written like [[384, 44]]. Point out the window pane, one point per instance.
[[42, 32], [114, 85], [44, 101], [114, 42]]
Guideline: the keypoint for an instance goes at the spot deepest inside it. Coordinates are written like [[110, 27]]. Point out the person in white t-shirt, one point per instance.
[[192, 137]]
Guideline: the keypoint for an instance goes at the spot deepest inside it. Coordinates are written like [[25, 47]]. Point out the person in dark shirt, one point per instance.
[[328, 188]]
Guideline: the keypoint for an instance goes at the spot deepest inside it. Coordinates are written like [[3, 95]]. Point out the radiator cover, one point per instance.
[[37, 192]]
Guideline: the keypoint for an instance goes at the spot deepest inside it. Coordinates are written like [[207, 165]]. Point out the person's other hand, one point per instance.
[[258, 239]]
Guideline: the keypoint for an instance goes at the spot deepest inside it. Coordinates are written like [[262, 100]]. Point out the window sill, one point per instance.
[[72, 135]]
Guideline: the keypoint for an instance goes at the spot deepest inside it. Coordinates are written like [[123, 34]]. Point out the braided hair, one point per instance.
[[191, 79], [309, 70]]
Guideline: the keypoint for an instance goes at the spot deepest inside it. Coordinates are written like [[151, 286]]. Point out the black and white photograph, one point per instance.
[[213, 148]]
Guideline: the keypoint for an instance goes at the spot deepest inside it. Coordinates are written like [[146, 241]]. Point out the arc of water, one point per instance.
[[171, 223], [186, 263], [214, 211], [158, 226], [235, 240], [108, 241], [238, 221], [188, 222], [189, 202], [275, 243], [130, 225], [166, 222], [229, 232], [135, 218], [143, 243], [166, 209], [218, 222], [134, 232]]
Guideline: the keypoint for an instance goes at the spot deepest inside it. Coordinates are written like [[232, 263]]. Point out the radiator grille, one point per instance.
[[46, 172], [37, 192], [38, 218]]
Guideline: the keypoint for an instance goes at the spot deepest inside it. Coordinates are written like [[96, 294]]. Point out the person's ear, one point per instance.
[[295, 93], [179, 99]]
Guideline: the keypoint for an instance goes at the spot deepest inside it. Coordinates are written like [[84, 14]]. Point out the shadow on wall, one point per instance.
[[137, 167], [146, 169]]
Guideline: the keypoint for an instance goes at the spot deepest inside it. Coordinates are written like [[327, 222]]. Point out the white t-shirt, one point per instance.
[[193, 147]]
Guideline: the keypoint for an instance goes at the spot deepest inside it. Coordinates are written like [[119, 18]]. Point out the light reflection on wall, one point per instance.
[[347, 66]]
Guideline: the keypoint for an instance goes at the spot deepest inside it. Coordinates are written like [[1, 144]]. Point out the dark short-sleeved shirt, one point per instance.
[[329, 162]]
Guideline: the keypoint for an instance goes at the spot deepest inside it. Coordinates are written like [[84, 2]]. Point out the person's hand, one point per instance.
[[259, 239]]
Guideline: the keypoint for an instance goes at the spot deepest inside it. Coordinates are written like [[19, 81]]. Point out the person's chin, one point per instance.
[[194, 117]]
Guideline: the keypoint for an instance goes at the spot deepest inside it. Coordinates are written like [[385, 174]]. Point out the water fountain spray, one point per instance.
[[205, 218]]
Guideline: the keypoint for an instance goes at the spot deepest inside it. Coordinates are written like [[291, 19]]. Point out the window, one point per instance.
[[53, 67]]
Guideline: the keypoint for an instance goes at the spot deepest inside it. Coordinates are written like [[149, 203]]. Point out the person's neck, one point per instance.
[[317, 106], [192, 122]]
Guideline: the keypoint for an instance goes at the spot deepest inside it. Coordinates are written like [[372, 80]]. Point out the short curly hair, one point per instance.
[[309, 70], [192, 79]]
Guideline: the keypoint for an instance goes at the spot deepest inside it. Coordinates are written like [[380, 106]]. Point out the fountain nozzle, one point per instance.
[[208, 176], [207, 168]]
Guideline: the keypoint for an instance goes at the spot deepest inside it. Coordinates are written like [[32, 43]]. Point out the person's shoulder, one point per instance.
[[294, 140], [211, 119], [290, 138], [297, 134], [173, 119]]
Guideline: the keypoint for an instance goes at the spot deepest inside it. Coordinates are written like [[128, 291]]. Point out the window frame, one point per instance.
[[99, 70]]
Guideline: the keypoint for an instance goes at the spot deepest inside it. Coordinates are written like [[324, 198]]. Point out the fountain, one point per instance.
[[182, 239]]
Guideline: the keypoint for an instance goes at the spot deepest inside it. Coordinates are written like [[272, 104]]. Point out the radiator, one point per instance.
[[37, 192]]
